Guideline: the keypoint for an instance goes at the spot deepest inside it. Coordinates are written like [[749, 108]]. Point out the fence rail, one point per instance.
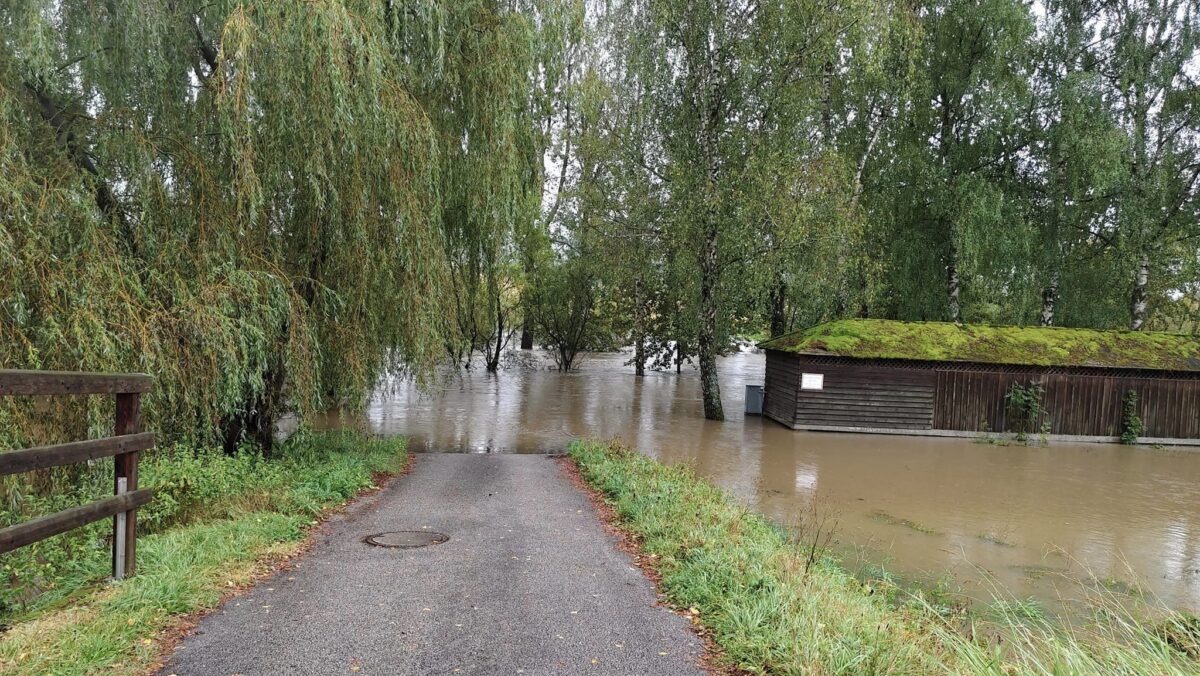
[[124, 447]]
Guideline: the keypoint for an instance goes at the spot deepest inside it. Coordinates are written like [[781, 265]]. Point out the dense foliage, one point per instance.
[[269, 206], [780, 163], [264, 205]]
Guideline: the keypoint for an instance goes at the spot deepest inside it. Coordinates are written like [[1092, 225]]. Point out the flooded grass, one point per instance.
[[1121, 586], [1039, 572], [883, 517], [995, 539], [768, 615], [1021, 609]]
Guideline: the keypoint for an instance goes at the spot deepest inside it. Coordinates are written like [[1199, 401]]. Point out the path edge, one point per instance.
[[269, 565], [712, 657]]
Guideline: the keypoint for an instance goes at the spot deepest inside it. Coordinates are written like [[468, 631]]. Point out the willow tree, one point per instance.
[[488, 72], [237, 197]]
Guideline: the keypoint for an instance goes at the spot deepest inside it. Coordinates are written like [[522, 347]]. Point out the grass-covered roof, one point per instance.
[[1027, 345]]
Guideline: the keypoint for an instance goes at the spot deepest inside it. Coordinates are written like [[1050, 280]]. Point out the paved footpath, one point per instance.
[[529, 582]]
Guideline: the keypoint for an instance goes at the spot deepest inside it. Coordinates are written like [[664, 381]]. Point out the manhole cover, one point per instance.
[[406, 539]]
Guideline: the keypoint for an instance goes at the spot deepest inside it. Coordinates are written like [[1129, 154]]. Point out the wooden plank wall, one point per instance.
[[1088, 405], [866, 396], [974, 400], [780, 386], [935, 395]]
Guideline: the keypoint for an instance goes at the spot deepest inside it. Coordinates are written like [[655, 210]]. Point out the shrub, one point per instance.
[[1132, 426], [1025, 406]]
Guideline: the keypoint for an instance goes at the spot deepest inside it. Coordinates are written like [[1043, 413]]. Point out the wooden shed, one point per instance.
[[943, 379]]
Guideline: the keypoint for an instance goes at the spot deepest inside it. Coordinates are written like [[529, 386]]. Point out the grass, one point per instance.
[[1028, 345], [995, 539], [770, 613], [205, 548], [883, 517]]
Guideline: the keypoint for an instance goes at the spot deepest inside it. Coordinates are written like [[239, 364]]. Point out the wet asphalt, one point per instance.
[[528, 583]]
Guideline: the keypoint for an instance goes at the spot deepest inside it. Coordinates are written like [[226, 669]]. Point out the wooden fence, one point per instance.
[[123, 447]]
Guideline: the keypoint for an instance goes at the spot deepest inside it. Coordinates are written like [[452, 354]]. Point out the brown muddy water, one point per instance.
[[981, 519]]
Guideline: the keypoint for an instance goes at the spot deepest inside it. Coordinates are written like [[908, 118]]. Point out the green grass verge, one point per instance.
[[222, 522], [748, 580]]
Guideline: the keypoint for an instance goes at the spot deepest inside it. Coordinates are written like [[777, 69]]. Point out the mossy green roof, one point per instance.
[[1023, 345]]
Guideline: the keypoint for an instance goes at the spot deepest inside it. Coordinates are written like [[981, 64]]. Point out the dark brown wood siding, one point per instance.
[[900, 394], [781, 383], [853, 395]]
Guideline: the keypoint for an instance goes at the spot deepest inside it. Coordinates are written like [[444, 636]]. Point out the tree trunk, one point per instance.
[[62, 119], [827, 104], [952, 286], [639, 357], [1137, 307], [639, 330], [1049, 298], [526, 338], [566, 357], [862, 162], [493, 357], [779, 307], [256, 423], [706, 347]]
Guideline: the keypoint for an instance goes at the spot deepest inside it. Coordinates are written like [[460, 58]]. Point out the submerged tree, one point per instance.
[[727, 83], [488, 73], [562, 306]]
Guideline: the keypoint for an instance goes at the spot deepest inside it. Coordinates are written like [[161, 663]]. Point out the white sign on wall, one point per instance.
[[812, 381]]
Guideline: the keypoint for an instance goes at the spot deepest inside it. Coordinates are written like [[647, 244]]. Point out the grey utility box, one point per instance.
[[754, 399]]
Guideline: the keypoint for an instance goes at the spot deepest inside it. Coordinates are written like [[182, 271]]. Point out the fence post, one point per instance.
[[125, 479]]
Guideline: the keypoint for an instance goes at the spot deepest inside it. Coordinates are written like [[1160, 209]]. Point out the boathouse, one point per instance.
[[943, 379]]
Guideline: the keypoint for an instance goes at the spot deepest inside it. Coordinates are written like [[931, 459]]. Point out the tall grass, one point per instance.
[[770, 612], [214, 521]]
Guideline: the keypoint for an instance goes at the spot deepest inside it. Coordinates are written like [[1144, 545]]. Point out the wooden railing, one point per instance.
[[123, 447]]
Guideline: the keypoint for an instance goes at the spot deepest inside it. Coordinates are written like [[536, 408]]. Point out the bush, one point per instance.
[[1025, 406], [1132, 426]]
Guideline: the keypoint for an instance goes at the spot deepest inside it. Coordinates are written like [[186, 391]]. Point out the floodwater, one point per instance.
[[983, 519]]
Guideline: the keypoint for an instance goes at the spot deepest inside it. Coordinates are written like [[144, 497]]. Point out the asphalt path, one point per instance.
[[529, 582]]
